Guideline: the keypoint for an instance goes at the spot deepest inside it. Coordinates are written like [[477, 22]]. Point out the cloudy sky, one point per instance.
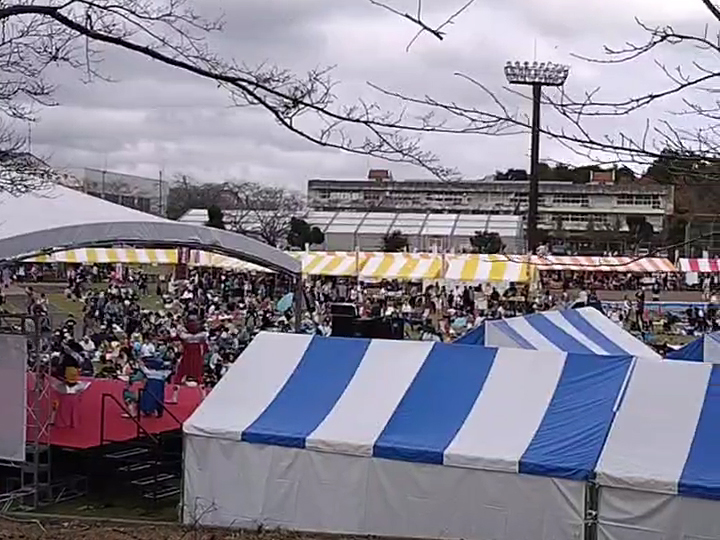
[[156, 119]]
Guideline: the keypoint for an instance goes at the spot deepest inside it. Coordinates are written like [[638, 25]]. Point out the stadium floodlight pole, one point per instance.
[[535, 75]]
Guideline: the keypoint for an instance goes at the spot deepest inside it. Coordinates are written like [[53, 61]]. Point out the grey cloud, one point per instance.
[[157, 118]]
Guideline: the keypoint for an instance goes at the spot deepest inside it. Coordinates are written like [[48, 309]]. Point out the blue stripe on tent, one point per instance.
[[572, 433], [556, 335], [436, 404], [701, 474], [476, 336], [309, 394], [692, 352], [505, 328], [593, 334]]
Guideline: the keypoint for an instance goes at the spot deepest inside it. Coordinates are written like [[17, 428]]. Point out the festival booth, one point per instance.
[[329, 263], [659, 472], [109, 256], [699, 266], [402, 266], [693, 268], [637, 265], [703, 349], [207, 259], [584, 331], [496, 269], [400, 438]]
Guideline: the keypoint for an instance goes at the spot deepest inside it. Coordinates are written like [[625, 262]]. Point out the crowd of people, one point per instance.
[[191, 329]]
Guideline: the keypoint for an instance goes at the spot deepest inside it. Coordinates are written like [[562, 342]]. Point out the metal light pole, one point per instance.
[[535, 75]]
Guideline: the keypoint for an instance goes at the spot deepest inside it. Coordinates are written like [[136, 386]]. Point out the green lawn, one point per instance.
[[60, 307]]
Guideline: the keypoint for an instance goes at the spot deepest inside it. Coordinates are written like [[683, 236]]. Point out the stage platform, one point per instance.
[[86, 432]]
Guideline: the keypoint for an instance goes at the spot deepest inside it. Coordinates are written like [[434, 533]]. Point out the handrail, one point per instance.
[[162, 404], [122, 407]]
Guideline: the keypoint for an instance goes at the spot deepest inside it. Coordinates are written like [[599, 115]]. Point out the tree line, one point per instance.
[[271, 214]]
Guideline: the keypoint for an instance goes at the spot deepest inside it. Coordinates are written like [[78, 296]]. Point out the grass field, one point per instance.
[[61, 307]]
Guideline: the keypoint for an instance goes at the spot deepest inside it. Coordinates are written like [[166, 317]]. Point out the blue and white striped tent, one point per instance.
[[584, 331], [401, 438], [703, 349], [660, 469]]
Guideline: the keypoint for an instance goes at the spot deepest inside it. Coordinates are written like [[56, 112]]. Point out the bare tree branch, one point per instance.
[[418, 19], [38, 34]]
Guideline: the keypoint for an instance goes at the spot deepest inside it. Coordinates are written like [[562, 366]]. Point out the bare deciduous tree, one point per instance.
[[690, 134], [262, 212], [38, 34]]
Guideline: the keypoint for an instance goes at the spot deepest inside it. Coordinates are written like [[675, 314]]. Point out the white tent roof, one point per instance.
[[419, 402], [665, 436], [583, 331], [59, 218]]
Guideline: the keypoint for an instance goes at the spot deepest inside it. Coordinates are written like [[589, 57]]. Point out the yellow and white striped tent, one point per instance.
[[110, 256], [404, 266], [488, 268], [370, 266], [216, 260], [330, 263]]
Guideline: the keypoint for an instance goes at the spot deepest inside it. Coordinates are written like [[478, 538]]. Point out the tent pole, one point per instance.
[[298, 302], [592, 501]]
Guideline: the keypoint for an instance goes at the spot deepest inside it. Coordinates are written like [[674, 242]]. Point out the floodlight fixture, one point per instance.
[[536, 74]]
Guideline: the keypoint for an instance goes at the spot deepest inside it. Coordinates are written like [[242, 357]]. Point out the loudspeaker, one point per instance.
[[343, 310], [343, 326], [368, 327]]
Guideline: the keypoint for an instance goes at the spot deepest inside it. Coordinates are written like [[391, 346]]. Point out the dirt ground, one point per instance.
[[76, 530]]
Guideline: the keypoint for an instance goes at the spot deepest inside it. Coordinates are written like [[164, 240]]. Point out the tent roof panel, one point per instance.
[[664, 438], [583, 330], [418, 402], [58, 218]]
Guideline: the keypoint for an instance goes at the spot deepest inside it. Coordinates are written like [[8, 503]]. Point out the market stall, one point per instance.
[[475, 268], [640, 265], [402, 266], [110, 256]]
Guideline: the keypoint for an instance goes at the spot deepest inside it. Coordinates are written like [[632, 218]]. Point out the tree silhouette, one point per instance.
[[486, 242], [395, 242], [302, 233], [215, 218]]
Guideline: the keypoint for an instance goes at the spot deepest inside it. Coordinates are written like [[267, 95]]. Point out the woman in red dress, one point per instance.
[[192, 362]]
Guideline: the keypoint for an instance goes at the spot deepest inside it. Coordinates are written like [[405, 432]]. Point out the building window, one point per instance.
[[143, 204], [571, 199], [127, 200], [641, 200]]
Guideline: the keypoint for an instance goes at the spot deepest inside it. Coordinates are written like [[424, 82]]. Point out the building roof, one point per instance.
[[248, 222], [465, 186], [415, 224], [382, 223]]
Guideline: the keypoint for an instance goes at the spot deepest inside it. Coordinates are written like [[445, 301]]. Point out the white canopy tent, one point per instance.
[[400, 439], [659, 472], [57, 218]]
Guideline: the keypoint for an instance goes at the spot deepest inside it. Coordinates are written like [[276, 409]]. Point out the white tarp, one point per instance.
[[659, 472], [13, 396], [400, 438], [58, 217], [585, 330]]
